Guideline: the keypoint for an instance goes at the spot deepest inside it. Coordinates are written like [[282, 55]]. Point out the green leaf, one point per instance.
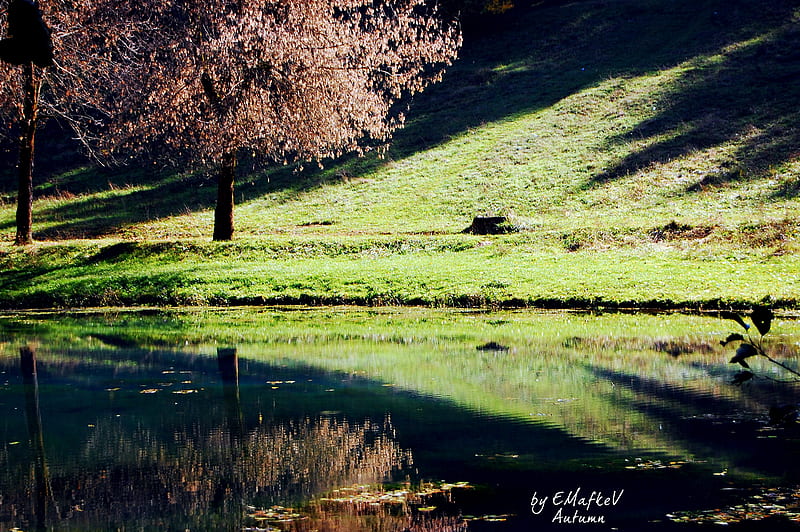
[[762, 319], [732, 338]]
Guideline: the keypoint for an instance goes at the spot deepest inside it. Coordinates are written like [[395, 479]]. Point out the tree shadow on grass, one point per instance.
[[749, 97], [529, 61], [91, 202]]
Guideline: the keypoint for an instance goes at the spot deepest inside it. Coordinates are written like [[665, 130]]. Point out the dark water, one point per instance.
[[359, 421]]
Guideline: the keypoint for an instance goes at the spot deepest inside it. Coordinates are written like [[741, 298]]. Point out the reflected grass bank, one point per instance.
[[512, 402]]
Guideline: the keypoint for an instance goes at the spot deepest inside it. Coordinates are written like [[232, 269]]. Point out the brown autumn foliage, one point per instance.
[[280, 80], [96, 46], [200, 81]]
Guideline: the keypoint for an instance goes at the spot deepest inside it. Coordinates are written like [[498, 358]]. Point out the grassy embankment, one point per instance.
[[648, 152]]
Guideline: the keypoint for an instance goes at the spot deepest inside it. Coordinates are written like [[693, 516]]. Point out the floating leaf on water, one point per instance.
[[276, 514], [461, 485], [491, 518]]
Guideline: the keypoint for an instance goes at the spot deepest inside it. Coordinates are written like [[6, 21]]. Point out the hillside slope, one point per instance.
[[660, 133]]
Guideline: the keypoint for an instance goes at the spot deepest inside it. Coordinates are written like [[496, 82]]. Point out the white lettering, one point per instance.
[[583, 505], [537, 505]]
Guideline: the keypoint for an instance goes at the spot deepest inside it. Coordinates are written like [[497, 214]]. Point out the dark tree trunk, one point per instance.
[[223, 214], [30, 110]]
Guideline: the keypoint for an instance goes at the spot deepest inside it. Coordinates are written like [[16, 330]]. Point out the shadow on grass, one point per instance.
[[749, 97], [530, 60]]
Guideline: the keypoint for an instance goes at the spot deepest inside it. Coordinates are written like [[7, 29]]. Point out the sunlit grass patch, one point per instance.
[[591, 127]]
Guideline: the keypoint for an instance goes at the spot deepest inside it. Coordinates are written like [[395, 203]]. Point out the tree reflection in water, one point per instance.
[[204, 475], [210, 481]]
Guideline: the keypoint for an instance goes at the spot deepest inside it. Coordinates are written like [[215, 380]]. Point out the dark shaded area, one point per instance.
[[163, 194], [27, 37], [58, 157]]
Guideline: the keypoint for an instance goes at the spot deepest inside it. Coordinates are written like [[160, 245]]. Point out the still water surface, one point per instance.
[[389, 420]]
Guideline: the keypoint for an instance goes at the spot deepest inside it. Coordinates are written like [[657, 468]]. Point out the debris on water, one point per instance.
[[380, 495], [276, 514], [766, 503], [490, 518], [422, 500], [649, 465]]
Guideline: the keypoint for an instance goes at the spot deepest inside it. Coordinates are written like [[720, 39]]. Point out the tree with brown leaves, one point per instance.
[[282, 80], [71, 60]]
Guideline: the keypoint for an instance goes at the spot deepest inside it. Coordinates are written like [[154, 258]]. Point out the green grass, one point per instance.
[[436, 271], [647, 152]]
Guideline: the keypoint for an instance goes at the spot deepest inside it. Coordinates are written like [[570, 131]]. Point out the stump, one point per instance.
[[490, 225]]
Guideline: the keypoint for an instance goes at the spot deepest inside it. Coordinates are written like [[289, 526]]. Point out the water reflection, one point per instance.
[[148, 421], [228, 361], [205, 479], [201, 474], [40, 485]]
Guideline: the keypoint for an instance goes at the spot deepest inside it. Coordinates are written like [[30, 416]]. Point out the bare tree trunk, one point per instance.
[[223, 214], [30, 110]]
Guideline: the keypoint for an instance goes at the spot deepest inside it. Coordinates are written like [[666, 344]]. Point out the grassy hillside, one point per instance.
[[647, 150]]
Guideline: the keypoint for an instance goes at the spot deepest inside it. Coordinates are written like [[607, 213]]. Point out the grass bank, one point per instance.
[[646, 151], [464, 271]]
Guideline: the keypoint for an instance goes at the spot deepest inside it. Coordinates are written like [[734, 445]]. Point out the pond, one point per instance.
[[341, 419]]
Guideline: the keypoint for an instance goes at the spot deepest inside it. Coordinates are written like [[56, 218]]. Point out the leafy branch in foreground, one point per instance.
[[750, 346]]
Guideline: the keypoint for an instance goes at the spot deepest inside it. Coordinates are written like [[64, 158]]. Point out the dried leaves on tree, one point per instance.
[[287, 80]]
